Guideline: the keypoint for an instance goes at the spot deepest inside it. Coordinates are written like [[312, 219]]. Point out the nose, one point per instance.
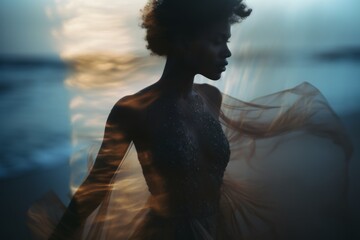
[[226, 52]]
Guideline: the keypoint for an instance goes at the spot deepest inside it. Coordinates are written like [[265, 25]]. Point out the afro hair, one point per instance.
[[164, 20]]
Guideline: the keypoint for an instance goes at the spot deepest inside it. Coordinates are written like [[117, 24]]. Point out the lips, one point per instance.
[[222, 66]]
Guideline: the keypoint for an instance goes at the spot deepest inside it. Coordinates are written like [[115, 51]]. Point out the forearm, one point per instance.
[[86, 199]]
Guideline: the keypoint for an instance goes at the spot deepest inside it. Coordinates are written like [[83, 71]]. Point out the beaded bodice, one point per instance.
[[187, 157]]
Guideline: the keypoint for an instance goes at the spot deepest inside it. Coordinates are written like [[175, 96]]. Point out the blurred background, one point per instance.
[[64, 63]]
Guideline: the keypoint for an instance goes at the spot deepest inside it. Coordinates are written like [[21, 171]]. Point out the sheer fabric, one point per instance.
[[286, 179]]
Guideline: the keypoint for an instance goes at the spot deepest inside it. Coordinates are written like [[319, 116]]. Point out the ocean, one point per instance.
[[35, 127]]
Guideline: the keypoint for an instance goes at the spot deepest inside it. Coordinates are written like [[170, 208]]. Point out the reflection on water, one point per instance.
[[99, 71]]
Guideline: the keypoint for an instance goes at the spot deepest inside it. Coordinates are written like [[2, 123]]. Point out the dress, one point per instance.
[[176, 192]]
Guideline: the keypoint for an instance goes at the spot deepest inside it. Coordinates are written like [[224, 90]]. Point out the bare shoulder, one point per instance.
[[129, 109], [210, 93]]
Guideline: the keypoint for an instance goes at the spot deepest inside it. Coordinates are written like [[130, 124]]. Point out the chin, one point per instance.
[[214, 76]]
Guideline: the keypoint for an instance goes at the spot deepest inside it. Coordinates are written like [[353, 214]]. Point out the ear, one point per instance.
[[181, 44]]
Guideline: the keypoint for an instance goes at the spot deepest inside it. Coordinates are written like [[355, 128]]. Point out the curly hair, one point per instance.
[[164, 20]]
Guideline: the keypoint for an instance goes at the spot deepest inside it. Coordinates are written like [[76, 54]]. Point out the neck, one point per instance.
[[177, 78]]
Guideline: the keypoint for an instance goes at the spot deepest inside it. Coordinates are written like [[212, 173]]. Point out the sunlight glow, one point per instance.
[[92, 26]]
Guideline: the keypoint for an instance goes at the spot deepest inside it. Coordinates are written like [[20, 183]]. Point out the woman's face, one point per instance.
[[207, 53]]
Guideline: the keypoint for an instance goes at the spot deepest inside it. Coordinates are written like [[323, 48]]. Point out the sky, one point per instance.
[[52, 27], [25, 28]]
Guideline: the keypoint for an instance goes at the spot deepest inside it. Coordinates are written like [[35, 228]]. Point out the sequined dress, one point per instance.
[[190, 178]]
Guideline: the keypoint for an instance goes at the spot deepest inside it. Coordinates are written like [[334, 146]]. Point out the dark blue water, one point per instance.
[[35, 128]]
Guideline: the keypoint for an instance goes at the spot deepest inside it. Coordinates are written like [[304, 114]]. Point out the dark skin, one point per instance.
[[204, 54]]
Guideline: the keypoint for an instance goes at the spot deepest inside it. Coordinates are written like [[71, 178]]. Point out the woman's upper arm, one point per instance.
[[117, 138]]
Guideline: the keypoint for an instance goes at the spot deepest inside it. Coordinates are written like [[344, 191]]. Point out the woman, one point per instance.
[[176, 128]]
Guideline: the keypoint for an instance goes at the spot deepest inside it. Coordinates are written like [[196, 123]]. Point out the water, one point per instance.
[[35, 129]]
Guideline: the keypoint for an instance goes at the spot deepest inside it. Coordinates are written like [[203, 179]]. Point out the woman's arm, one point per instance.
[[117, 138]]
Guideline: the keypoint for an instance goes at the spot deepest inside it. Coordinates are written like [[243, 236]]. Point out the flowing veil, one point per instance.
[[286, 179], [288, 165]]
